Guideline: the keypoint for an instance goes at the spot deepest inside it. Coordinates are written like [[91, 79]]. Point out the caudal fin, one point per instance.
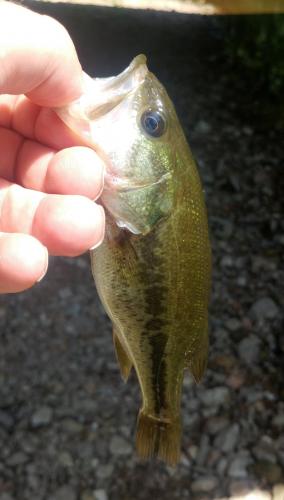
[[158, 438]]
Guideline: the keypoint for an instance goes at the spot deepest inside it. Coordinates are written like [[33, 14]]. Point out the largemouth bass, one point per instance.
[[152, 271]]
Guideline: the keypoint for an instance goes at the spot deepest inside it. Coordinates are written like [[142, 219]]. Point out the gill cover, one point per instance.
[[109, 119]]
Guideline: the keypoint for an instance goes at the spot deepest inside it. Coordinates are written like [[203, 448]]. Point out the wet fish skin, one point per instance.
[[153, 269]]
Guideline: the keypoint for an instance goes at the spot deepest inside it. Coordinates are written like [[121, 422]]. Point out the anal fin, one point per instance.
[[124, 362], [196, 362]]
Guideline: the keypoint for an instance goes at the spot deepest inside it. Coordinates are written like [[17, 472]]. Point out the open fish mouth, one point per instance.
[[101, 95]]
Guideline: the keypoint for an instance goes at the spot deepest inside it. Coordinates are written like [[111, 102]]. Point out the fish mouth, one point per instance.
[[128, 79], [100, 96], [113, 90]]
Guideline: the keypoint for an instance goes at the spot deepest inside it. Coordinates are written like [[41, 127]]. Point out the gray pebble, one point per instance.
[[239, 464], [278, 421], [65, 293], [224, 227], [203, 450], [104, 471], [100, 495], [204, 484], [85, 450], [215, 397], [265, 450], [264, 308], [227, 440], [221, 466], [72, 426], [87, 495], [64, 493], [85, 406], [119, 446], [6, 496], [184, 460], [33, 482], [216, 424], [242, 280], [265, 455], [248, 349], [6, 420], [233, 324], [42, 417], [191, 420], [202, 127], [227, 261], [65, 459], [193, 451], [18, 458]]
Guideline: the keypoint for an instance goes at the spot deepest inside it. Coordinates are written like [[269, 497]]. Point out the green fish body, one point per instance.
[[153, 269]]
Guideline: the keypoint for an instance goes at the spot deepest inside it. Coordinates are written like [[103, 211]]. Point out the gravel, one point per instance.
[[264, 308], [228, 438], [100, 495], [215, 397], [41, 417], [119, 446], [67, 420], [239, 464], [204, 484], [249, 348], [6, 496], [63, 493]]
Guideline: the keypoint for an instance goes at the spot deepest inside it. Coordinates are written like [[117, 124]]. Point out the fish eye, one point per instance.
[[153, 123]]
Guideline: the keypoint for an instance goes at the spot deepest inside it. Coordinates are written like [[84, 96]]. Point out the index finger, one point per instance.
[[37, 57]]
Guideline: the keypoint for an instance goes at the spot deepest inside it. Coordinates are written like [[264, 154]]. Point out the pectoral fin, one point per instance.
[[124, 362]]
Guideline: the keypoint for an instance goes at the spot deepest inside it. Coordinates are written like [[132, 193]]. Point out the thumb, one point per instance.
[[37, 57]]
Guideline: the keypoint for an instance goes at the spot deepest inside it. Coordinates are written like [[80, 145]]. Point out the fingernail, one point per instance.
[[45, 268], [101, 239]]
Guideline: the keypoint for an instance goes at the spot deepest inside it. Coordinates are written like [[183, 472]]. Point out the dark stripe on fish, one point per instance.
[[154, 332]]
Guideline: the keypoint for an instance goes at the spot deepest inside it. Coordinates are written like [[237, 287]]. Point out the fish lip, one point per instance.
[[110, 92], [137, 68]]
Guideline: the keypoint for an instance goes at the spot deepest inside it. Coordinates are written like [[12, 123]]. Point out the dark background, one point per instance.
[[67, 421]]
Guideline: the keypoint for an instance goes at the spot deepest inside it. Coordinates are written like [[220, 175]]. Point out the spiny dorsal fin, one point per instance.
[[124, 362]]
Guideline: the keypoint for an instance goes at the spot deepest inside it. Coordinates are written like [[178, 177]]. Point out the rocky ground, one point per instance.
[[67, 421]]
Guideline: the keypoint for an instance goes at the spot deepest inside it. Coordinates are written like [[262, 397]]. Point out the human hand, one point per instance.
[[48, 178]]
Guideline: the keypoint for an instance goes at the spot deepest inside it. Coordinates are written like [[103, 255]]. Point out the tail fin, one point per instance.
[[158, 438]]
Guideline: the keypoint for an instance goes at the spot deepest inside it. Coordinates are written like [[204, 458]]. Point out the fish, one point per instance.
[[153, 269]]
